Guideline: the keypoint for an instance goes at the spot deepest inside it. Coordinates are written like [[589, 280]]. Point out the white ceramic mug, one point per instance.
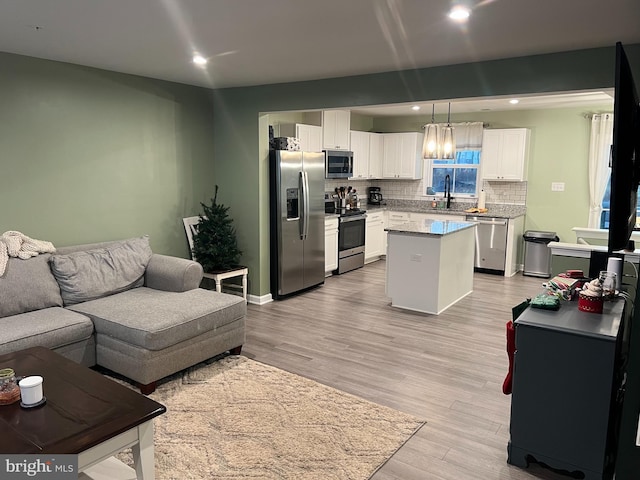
[[31, 389]]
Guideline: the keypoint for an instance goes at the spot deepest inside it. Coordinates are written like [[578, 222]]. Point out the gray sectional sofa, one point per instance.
[[120, 306]]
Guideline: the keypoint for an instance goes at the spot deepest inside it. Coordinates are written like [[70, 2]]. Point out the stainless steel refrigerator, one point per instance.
[[297, 221]]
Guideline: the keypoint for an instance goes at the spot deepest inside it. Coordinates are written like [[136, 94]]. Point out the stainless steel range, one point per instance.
[[351, 237]]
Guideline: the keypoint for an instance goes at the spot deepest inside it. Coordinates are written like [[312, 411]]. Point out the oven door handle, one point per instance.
[[353, 218]]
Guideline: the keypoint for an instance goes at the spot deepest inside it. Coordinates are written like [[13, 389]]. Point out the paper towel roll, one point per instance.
[[482, 199], [614, 264]]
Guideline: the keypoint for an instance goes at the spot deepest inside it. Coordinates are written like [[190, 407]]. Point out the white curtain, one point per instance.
[[468, 135], [599, 153]]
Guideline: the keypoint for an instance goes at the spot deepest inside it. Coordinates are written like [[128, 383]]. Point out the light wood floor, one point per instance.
[[446, 369]]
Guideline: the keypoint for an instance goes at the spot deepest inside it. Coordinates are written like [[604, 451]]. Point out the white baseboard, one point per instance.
[[259, 300]]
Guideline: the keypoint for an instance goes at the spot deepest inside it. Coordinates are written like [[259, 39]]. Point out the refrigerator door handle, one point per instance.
[[305, 206], [302, 214]]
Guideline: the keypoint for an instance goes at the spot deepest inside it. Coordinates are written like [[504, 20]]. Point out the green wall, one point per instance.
[[241, 165], [88, 155]]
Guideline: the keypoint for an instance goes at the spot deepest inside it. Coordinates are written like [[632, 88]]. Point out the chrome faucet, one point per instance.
[[447, 190]]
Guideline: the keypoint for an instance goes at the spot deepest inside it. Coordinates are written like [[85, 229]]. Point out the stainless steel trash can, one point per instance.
[[537, 254]]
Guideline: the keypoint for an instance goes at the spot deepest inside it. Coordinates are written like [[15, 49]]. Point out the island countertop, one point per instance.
[[431, 227]]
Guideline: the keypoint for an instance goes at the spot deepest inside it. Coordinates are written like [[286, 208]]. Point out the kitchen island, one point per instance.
[[430, 264]]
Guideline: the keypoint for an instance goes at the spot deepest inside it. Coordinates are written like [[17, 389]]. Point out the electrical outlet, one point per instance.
[[557, 186]]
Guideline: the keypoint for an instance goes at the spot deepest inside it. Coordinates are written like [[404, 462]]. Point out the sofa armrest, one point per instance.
[[172, 274]]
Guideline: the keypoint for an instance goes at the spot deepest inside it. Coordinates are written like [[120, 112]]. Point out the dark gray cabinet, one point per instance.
[[567, 389]]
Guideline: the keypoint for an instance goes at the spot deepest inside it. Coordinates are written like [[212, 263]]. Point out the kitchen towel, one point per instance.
[[614, 264], [482, 198]]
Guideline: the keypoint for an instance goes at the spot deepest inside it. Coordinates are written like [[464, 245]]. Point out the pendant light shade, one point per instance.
[[431, 143], [448, 139]]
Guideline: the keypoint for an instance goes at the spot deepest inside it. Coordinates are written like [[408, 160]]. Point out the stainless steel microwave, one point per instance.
[[338, 164]]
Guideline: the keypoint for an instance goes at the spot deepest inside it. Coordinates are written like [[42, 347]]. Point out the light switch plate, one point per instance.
[[557, 186]]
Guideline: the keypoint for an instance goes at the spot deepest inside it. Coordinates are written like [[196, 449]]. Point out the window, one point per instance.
[[606, 207], [463, 171]]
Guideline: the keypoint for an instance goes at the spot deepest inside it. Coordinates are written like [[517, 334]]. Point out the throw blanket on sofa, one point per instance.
[[16, 244]]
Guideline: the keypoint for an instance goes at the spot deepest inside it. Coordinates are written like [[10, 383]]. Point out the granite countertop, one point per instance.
[[431, 227], [496, 210]]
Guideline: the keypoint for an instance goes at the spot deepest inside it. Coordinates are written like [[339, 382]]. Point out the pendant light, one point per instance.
[[431, 144], [448, 139]]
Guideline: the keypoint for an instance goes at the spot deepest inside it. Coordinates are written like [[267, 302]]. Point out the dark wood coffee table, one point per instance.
[[85, 414]]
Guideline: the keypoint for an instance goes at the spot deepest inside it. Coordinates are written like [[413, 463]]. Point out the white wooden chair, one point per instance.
[[191, 228]]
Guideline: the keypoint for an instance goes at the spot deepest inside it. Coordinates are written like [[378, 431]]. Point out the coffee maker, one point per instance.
[[374, 196]]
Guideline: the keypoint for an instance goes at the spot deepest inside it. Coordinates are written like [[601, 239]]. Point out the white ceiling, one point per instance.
[[253, 42]]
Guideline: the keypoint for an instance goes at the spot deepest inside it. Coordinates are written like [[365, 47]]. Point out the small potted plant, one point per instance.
[[214, 244]]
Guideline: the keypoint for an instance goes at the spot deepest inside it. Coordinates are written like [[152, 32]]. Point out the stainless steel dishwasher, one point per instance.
[[491, 244]]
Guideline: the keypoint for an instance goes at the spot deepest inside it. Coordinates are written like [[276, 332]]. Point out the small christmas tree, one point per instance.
[[214, 245]]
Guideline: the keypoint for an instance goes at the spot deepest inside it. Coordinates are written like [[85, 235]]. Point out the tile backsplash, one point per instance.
[[514, 193], [506, 192]]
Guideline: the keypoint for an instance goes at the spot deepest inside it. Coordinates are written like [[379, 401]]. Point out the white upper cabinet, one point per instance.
[[368, 150], [505, 154], [360, 149], [310, 137], [376, 152], [402, 155], [336, 127], [391, 155]]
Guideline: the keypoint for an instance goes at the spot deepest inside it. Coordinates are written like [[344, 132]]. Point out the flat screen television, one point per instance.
[[625, 155]]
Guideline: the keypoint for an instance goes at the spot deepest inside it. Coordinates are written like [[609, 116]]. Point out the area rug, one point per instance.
[[237, 419]]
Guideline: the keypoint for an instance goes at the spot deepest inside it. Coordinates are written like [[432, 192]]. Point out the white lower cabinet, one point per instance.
[[374, 237], [330, 245], [515, 246], [393, 219]]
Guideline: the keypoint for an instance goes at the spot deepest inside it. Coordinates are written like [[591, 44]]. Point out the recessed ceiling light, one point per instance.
[[513, 101], [459, 13], [415, 108], [199, 60]]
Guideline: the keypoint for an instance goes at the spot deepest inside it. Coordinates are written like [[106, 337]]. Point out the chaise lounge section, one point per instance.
[[119, 306]]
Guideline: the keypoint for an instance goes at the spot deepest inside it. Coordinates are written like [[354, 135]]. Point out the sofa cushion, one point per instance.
[[28, 285], [87, 275], [50, 327], [155, 319]]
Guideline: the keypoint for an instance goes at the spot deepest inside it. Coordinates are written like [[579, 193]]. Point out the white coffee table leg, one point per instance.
[[219, 286], [143, 452]]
